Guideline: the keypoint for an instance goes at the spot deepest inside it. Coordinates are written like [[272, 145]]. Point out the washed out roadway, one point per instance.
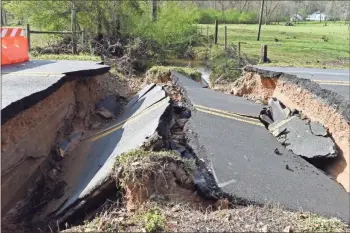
[[335, 80], [224, 131]]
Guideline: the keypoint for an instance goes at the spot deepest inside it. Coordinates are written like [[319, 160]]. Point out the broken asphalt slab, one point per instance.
[[25, 84], [243, 160], [298, 137], [91, 163], [278, 113]]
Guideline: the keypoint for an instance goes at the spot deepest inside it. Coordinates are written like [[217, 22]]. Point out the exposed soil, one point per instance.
[[262, 86], [161, 175], [31, 158]]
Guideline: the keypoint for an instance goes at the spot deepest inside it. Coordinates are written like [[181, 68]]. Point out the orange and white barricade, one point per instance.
[[14, 46]]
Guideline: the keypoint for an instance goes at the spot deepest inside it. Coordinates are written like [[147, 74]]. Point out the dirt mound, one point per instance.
[[156, 175]]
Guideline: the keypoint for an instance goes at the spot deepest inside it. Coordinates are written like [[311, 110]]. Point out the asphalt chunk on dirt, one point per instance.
[[242, 157], [300, 139]]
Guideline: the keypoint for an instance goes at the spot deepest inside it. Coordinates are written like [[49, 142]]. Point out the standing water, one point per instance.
[[200, 65]]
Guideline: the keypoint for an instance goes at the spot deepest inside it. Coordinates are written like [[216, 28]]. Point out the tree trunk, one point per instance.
[[154, 10], [99, 21]]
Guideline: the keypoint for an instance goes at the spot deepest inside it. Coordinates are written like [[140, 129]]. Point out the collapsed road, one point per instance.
[[319, 105], [335, 80], [225, 131]]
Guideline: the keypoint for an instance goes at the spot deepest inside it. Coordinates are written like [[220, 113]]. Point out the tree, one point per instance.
[[154, 10]]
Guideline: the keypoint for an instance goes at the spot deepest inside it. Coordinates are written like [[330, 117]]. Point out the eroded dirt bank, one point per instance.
[[317, 104], [29, 140]]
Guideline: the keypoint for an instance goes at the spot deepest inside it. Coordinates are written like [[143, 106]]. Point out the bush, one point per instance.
[[248, 18], [231, 16], [209, 15]]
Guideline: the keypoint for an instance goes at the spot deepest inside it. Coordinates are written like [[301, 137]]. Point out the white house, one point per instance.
[[296, 17], [317, 16]]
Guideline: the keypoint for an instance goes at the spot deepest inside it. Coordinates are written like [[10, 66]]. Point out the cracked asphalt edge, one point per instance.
[[332, 99]]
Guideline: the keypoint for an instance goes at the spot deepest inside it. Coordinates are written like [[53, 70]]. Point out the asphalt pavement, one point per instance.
[[91, 163], [242, 155], [336, 80], [27, 83]]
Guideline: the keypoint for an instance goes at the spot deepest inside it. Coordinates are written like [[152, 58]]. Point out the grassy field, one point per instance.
[[303, 45]]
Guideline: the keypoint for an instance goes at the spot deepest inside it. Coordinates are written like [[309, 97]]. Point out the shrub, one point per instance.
[[208, 15], [231, 16], [248, 17]]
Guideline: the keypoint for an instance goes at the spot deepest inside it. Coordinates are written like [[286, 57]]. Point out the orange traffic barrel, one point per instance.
[[14, 46]]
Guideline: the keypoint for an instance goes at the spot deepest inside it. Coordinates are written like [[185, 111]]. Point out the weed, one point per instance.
[[315, 223], [154, 221], [325, 38]]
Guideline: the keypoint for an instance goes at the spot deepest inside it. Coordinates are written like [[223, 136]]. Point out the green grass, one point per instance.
[[41, 40], [300, 46], [80, 57]]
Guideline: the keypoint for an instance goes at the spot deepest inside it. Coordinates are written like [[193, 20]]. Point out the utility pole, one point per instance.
[[260, 18]]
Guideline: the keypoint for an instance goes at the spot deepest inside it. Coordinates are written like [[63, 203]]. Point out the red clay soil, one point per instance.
[[252, 86]]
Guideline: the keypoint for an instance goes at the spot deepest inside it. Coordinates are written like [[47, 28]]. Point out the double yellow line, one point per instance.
[[229, 115], [330, 82], [119, 125]]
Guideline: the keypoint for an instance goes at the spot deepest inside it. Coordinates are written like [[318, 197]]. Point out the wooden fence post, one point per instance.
[[82, 35], [28, 36], [239, 52], [208, 34], [216, 32], [74, 43], [225, 37], [263, 54]]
